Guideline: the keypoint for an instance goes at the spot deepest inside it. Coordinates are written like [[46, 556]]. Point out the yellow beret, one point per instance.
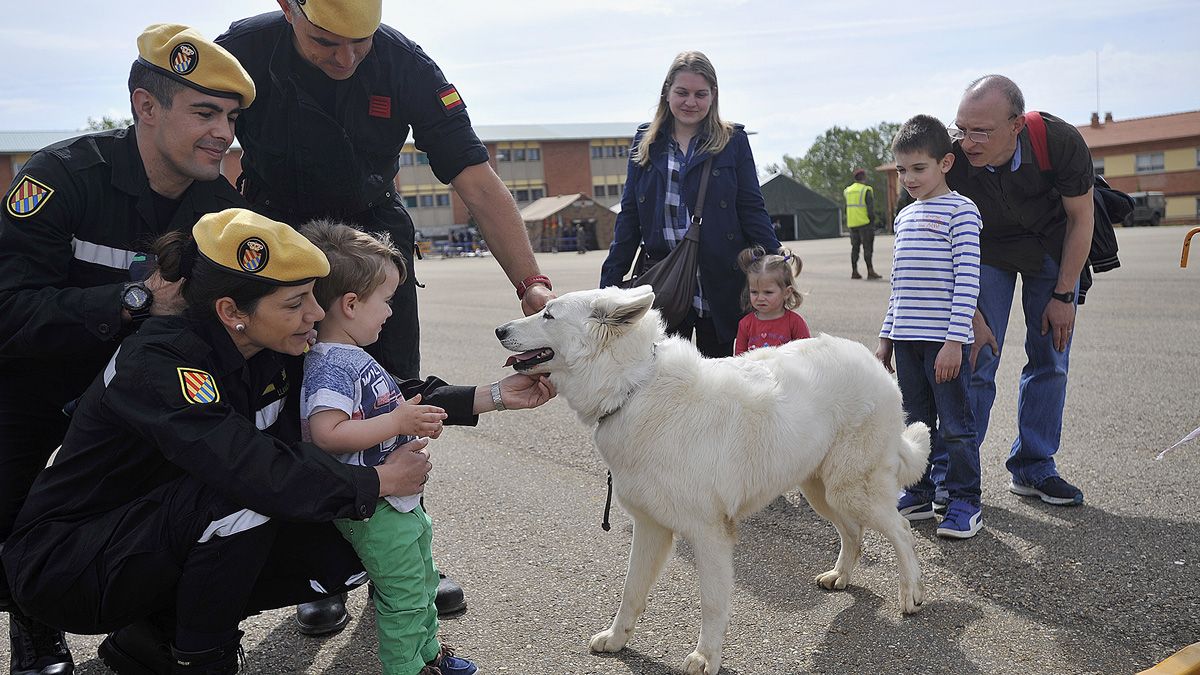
[[354, 19], [183, 55], [251, 245]]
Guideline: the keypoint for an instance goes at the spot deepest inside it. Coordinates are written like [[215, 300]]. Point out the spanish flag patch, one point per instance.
[[198, 386], [450, 100]]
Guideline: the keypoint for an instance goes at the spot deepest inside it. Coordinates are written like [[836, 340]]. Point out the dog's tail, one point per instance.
[[914, 454]]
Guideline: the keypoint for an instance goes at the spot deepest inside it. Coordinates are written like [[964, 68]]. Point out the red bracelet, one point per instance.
[[523, 287]]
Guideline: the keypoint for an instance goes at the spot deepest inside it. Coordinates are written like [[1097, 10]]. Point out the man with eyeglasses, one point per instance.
[[1037, 225]]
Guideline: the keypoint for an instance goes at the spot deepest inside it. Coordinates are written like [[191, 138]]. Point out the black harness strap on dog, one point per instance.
[[604, 524]]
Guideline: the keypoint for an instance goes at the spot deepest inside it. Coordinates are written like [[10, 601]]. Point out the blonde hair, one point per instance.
[[357, 261], [782, 268], [715, 132]]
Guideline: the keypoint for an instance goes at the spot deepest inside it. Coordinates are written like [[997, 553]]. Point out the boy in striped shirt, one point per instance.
[[935, 284]]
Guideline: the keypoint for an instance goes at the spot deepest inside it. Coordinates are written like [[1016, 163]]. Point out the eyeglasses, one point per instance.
[[957, 134]]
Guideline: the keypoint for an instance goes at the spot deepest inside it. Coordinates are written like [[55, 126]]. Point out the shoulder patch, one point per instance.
[[198, 386], [449, 99], [27, 196]]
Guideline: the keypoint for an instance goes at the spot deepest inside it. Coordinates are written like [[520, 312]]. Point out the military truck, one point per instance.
[[1148, 208]]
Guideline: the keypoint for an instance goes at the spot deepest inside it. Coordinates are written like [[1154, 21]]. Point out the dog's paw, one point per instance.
[[699, 664], [833, 580], [609, 641], [912, 597]]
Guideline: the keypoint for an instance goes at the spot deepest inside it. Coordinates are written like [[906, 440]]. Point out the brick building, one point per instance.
[[1151, 154], [534, 161]]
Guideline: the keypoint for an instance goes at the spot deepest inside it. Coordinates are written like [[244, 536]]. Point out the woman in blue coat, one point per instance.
[[660, 194]]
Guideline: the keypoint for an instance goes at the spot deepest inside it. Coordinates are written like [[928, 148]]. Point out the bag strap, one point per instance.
[[698, 212], [1037, 138]]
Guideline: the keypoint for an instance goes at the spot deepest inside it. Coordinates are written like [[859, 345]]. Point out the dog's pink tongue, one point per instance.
[[523, 356]]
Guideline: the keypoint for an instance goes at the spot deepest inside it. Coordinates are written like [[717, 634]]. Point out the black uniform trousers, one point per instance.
[[398, 348], [31, 428], [863, 235], [152, 564]]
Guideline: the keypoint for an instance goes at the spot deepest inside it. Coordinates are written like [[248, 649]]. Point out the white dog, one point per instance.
[[696, 445]]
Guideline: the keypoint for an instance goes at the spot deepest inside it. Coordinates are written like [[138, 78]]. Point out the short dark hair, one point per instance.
[[161, 87], [925, 134]]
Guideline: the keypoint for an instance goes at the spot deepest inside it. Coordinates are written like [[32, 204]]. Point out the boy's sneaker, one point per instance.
[[452, 665], [448, 664], [1052, 490], [962, 521], [915, 507]]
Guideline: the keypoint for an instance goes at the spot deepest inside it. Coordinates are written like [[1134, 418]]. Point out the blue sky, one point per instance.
[[788, 70]]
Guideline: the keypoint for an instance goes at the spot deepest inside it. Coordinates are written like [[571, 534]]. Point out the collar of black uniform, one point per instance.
[[628, 392], [228, 358]]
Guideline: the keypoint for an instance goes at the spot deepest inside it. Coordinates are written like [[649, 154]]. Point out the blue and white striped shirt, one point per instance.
[[935, 271]]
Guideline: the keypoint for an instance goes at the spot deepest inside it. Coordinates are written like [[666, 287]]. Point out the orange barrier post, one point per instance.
[[1187, 243]]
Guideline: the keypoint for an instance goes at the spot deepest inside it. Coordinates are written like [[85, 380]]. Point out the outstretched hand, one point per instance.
[[521, 391], [536, 297]]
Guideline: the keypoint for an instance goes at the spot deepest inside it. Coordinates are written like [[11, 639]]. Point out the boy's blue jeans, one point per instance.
[[1043, 388], [946, 409]]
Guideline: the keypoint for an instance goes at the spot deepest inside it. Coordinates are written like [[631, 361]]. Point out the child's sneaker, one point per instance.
[[915, 507], [449, 664], [962, 521], [1052, 490]]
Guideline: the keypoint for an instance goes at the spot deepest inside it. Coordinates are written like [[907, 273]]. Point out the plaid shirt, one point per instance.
[[678, 219]]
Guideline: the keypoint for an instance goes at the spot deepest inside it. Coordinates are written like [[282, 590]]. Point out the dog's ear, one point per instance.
[[625, 307]]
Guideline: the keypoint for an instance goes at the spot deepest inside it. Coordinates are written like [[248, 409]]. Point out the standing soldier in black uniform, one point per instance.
[[70, 226], [338, 93]]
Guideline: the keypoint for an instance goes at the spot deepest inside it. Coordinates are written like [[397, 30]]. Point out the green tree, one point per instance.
[[105, 123], [828, 166]]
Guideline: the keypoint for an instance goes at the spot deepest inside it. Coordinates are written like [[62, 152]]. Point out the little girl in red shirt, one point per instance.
[[771, 293]]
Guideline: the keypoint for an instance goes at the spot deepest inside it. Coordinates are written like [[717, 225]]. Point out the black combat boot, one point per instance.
[[224, 660], [37, 649]]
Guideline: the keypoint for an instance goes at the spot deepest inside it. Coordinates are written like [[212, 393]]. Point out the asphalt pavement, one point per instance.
[[1112, 586]]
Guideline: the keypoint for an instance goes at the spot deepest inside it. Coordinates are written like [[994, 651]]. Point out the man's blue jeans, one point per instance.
[[946, 409], [1043, 389]]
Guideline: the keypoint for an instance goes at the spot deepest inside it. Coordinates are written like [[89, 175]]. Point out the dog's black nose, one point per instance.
[[501, 332]]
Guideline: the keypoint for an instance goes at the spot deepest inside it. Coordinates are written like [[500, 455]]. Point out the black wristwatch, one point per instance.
[[1068, 297], [136, 298]]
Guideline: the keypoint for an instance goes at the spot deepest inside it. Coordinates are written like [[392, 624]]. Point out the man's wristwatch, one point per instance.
[[1068, 297], [136, 299]]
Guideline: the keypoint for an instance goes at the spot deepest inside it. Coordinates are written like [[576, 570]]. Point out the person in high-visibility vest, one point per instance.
[[860, 218]]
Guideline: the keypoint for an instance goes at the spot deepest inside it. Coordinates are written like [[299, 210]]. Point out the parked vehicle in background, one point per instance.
[[1148, 207]]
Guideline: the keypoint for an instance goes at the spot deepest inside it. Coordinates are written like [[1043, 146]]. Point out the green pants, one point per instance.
[[396, 550]]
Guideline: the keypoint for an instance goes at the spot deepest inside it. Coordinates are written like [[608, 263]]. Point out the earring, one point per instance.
[[241, 327]]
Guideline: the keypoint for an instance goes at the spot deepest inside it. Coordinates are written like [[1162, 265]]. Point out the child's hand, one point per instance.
[[418, 420], [884, 353], [948, 362]]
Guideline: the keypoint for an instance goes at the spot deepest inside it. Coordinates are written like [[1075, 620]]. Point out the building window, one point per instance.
[[410, 201], [535, 154], [1150, 161], [502, 155], [622, 150], [1198, 158], [426, 201], [407, 158], [1098, 165], [598, 190], [614, 190], [1198, 207], [537, 193], [597, 151], [519, 155], [610, 151], [443, 200], [422, 159]]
